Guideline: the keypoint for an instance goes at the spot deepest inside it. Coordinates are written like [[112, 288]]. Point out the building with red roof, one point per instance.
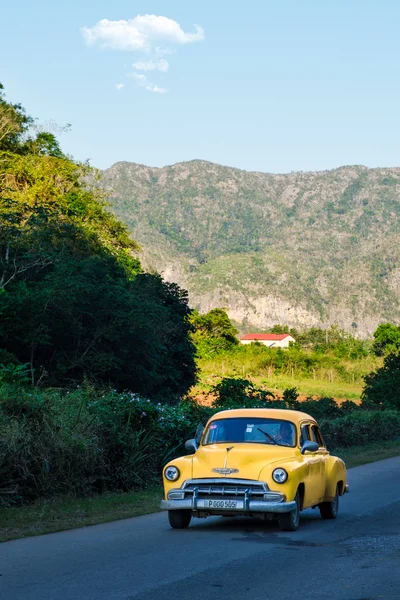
[[272, 340]]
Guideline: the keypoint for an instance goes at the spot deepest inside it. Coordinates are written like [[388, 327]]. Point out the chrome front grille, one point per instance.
[[243, 490], [224, 487]]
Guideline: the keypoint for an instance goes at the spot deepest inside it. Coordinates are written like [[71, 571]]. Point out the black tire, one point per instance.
[[179, 519], [329, 510], [290, 521]]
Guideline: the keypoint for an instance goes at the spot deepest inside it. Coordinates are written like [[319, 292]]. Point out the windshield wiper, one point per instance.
[[269, 437]]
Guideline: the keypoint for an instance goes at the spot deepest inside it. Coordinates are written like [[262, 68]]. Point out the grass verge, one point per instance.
[[361, 455], [49, 516], [69, 513]]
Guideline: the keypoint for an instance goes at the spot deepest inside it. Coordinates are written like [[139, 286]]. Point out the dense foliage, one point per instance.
[[386, 339], [74, 302], [256, 360], [382, 387], [361, 428], [213, 332], [234, 393], [86, 441], [331, 340], [17, 134]]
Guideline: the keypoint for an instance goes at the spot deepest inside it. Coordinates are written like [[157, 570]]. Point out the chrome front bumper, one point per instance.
[[226, 495], [203, 505]]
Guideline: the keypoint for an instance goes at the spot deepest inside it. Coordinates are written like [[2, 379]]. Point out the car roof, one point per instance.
[[295, 416]]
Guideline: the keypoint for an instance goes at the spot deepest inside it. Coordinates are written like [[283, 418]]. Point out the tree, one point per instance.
[[44, 143], [44, 204], [283, 329], [74, 301], [382, 387], [386, 339], [17, 135], [213, 331], [239, 393], [14, 123]]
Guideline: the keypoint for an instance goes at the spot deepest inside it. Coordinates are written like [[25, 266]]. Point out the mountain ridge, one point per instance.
[[212, 163], [300, 248]]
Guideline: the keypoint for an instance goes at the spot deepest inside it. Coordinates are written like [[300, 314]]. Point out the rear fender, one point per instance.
[[335, 476]]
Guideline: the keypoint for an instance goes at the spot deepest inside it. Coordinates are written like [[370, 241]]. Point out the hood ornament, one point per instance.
[[225, 471]]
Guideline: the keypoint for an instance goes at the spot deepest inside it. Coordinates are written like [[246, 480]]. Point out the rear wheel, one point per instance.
[[290, 521], [179, 519], [329, 510]]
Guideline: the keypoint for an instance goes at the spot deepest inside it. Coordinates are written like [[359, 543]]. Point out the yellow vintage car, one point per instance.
[[271, 463]]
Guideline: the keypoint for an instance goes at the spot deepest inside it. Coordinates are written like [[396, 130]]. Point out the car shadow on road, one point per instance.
[[308, 520]]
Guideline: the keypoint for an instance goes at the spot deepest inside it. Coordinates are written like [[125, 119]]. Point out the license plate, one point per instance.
[[220, 504]]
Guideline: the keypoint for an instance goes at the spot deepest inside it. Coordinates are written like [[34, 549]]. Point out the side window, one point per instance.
[[305, 434], [316, 436]]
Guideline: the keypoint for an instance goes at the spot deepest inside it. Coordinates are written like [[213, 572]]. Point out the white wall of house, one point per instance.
[[271, 343]]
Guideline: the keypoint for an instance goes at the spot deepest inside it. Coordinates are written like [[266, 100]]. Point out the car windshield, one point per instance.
[[251, 430]]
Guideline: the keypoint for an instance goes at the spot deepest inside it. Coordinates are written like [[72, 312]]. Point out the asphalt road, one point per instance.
[[356, 557]]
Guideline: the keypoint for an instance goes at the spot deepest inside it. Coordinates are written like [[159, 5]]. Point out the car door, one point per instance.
[[315, 484], [323, 454]]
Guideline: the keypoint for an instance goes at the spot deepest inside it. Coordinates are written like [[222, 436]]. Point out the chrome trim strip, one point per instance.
[[177, 494], [247, 494], [253, 506], [195, 498], [224, 481]]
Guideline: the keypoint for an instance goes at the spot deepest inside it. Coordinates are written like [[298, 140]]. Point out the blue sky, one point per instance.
[[269, 86]]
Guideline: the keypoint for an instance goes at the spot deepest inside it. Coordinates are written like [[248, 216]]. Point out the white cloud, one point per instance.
[[143, 82], [150, 35], [163, 65], [139, 78], [144, 65], [156, 89], [139, 33], [163, 51], [151, 65]]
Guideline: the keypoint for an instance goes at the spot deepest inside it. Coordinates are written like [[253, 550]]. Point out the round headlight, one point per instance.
[[171, 473], [279, 475]]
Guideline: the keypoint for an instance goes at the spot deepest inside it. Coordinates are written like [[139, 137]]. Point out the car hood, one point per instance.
[[248, 459]]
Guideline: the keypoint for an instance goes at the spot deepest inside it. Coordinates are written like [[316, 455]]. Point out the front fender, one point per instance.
[[185, 466], [297, 471]]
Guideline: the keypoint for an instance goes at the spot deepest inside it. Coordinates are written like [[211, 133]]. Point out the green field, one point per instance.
[[341, 379]]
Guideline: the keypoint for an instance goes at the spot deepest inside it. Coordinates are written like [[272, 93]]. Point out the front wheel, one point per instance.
[[179, 519], [329, 510], [290, 521]]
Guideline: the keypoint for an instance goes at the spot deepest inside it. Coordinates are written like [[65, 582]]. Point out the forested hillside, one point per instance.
[[302, 249], [75, 304]]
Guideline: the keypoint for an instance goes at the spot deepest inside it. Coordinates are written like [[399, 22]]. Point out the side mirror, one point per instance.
[[309, 446], [198, 434], [191, 445]]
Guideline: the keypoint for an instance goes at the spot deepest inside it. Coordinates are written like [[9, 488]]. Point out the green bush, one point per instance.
[[14, 373], [42, 452], [361, 428], [239, 393], [324, 407], [382, 387], [85, 441], [295, 362]]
